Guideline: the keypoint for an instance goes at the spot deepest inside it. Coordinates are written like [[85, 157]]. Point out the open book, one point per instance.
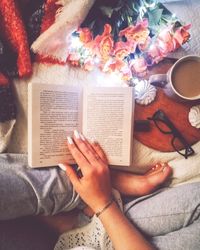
[[104, 114]]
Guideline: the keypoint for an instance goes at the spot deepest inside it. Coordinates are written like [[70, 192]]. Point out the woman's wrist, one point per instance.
[[104, 208], [98, 204], [112, 208]]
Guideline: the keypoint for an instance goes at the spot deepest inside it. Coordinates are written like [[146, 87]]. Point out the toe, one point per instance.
[[161, 175], [157, 168]]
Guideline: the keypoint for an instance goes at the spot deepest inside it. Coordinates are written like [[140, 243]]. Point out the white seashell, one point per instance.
[[194, 116], [145, 93]]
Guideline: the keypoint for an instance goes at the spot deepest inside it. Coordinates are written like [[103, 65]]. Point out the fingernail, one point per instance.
[[69, 139], [93, 141], [62, 166], [82, 137], [76, 134]]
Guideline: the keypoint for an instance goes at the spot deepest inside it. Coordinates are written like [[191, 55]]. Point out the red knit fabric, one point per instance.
[[3, 80], [14, 32], [50, 13], [49, 19]]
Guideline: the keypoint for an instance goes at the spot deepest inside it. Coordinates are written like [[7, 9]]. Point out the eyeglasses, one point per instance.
[[164, 124]]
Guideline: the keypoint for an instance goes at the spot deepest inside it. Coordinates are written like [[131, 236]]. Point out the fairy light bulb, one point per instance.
[[96, 60], [75, 43]]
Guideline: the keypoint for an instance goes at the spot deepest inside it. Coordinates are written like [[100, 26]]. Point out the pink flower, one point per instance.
[[144, 46], [123, 49], [169, 40], [138, 33], [165, 42], [155, 54], [126, 73], [113, 65], [85, 35], [103, 44], [181, 35], [139, 66]]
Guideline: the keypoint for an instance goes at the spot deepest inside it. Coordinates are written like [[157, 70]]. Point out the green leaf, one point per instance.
[[154, 16]]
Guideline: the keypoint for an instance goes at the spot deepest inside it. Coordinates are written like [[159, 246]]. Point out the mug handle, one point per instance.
[[159, 80]]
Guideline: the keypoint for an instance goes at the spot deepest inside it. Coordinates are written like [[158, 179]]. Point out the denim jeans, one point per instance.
[[25, 191], [170, 217]]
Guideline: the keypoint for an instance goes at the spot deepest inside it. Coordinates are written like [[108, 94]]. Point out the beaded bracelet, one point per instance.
[[106, 206]]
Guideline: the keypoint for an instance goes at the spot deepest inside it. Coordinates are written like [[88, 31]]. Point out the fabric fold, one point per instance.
[[69, 16]]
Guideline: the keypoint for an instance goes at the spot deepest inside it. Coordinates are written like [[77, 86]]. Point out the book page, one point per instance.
[[108, 119], [54, 113]]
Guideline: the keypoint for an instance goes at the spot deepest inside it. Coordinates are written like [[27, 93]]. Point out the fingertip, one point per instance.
[[82, 137], [70, 140], [62, 166], [93, 142], [76, 134]]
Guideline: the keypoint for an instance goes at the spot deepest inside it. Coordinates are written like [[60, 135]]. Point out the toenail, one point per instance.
[[164, 169]]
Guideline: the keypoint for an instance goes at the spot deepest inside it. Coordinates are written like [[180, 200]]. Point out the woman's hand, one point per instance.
[[94, 186]]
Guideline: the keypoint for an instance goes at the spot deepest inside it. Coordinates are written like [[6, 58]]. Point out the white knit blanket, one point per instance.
[[184, 171]]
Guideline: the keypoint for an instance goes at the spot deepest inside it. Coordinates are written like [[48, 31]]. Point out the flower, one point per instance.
[[138, 33], [144, 46], [165, 42], [85, 35], [123, 49], [113, 65], [154, 54], [104, 43], [126, 73], [139, 66], [134, 41], [181, 35]]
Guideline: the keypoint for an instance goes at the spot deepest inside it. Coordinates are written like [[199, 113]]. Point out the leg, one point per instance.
[[167, 211], [185, 238], [25, 191]]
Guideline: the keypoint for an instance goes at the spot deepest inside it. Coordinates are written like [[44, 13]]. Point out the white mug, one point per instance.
[[165, 81]]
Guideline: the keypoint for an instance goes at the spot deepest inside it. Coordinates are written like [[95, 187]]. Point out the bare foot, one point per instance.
[[138, 185]]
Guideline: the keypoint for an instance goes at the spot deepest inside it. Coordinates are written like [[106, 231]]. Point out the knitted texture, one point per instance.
[[91, 236], [20, 25], [14, 32], [15, 59]]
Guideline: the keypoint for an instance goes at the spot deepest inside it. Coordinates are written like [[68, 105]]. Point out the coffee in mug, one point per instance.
[[186, 78], [182, 81]]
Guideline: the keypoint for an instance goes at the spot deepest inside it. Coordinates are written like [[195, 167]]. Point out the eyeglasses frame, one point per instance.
[[160, 115]]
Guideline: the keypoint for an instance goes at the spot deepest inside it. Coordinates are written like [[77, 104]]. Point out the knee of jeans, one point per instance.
[[169, 210]]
